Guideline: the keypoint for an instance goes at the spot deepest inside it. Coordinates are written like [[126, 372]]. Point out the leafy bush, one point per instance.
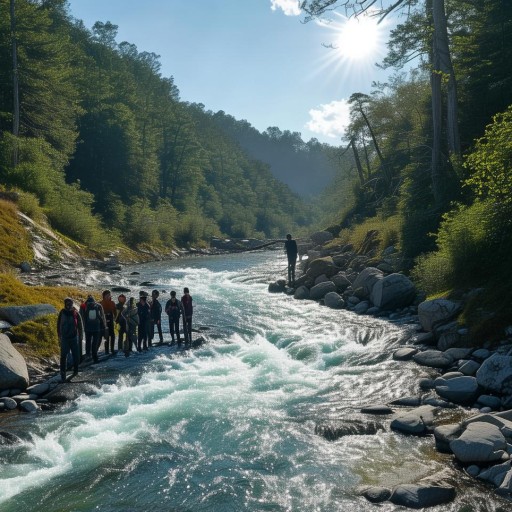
[[464, 250]]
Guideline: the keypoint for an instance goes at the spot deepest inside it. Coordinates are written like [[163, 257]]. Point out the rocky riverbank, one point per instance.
[[464, 398]]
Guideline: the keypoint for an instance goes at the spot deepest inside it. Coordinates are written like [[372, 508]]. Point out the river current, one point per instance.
[[230, 426]]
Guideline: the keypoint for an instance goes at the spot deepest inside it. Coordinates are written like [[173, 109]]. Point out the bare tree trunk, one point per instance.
[[437, 168], [358, 161], [16, 97], [446, 67]]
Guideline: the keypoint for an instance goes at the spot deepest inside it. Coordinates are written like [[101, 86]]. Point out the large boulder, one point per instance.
[[333, 300], [422, 496], [320, 290], [366, 280], [393, 292], [495, 374], [321, 266], [341, 282], [321, 237], [415, 422], [435, 312], [433, 359], [460, 390], [301, 293], [18, 314], [13, 369], [480, 442]]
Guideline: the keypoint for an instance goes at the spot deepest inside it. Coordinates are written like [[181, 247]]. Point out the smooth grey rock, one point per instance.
[[321, 266], [39, 389], [374, 311], [481, 354], [365, 282], [4, 325], [301, 293], [480, 442], [341, 282], [473, 470], [493, 402], [376, 494], [433, 359], [426, 383], [459, 352], [437, 402], [18, 314], [424, 338], [495, 474], [444, 435], [495, 374], [333, 300], [404, 354], [25, 267], [469, 367], [505, 489], [460, 390], [362, 307], [320, 290], [275, 288], [377, 409], [437, 311], [321, 237], [9, 403], [13, 369], [29, 406], [392, 292], [321, 279], [422, 496], [407, 401], [415, 422], [485, 410]]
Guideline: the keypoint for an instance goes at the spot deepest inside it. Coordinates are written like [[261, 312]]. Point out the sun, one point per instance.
[[358, 38]]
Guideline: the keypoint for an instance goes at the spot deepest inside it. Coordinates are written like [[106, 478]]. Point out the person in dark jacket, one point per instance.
[[290, 247], [144, 313], [120, 320], [188, 309], [93, 319], [70, 334], [174, 309], [131, 317], [156, 318]]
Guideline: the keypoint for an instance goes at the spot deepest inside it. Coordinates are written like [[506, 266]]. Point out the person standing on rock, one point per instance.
[[188, 309], [156, 318], [120, 320], [94, 325], [290, 247], [144, 312], [110, 310], [131, 317], [173, 308], [70, 332]]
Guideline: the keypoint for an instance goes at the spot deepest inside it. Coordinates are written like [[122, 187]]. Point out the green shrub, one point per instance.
[[464, 250]]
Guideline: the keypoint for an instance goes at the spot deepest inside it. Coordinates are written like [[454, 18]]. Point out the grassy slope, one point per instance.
[[36, 338]]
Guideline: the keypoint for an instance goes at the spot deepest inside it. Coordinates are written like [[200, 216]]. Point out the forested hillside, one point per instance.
[[433, 147], [96, 137]]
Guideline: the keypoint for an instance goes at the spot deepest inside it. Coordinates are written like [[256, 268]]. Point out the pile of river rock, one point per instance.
[[465, 397]]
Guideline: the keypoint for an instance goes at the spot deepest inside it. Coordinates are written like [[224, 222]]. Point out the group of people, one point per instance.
[[136, 322]]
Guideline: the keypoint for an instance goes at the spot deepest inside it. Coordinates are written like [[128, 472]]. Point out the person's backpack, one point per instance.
[[69, 325], [92, 317]]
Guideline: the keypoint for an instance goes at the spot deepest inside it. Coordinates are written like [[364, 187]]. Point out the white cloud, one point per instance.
[[330, 119], [289, 7]]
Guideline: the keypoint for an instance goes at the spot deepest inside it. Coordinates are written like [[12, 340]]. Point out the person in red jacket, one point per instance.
[[110, 310]]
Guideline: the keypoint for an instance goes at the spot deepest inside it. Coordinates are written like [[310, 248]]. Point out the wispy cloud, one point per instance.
[[289, 7], [329, 119]]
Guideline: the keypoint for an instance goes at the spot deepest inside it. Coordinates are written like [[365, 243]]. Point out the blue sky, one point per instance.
[[253, 59]]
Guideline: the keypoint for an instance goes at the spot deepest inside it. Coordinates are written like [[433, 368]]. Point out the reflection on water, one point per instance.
[[231, 425]]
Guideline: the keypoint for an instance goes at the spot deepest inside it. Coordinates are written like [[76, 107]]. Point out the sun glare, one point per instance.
[[358, 39]]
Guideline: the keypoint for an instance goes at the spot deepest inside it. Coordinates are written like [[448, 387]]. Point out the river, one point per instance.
[[230, 426]]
